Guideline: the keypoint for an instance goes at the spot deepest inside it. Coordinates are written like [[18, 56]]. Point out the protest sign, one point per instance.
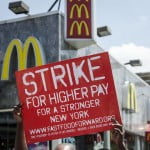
[[68, 98]]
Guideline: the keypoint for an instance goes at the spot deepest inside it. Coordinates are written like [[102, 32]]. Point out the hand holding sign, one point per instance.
[[68, 98], [20, 141], [118, 135]]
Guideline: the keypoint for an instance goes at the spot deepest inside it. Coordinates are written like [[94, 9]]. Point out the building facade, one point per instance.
[[37, 40]]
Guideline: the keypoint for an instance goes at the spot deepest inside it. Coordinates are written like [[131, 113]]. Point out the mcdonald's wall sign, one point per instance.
[[23, 43], [35, 35], [79, 19], [129, 97], [22, 51]]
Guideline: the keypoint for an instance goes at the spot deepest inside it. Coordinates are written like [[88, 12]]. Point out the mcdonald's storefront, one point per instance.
[[39, 39], [24, 43]]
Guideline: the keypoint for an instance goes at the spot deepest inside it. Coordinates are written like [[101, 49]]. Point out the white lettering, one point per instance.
[[36, 101], [92, 68], [78, 72], [79, 115], [58, 118], [59, 77], [96, 90], [43, 111], [69, 74], [41, 71], [29, 83]]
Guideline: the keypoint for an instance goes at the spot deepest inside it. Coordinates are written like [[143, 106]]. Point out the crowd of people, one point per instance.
[[20, 141]]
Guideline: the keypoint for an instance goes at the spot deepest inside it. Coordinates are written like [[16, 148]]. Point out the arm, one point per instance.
[[20, 141], [118, 135]]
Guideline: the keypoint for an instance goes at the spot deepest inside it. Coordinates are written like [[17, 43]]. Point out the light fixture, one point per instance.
[[103, 31], [134, 63], [18, 7]]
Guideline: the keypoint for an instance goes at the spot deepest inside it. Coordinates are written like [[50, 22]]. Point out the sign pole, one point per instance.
[[107, 140], [55, 143]]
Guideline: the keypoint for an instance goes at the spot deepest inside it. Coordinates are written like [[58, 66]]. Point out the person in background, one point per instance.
[[20, 141], [117, 135], [65, 146]]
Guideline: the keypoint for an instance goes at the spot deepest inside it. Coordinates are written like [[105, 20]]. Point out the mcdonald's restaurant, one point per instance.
[[41, 39]]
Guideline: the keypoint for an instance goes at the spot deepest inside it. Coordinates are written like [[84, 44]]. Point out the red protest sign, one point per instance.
[[68, 98]]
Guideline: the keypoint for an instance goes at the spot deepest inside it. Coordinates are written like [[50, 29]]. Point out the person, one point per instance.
[[20, 141], [38, 146], [65, 146], [118, 135]]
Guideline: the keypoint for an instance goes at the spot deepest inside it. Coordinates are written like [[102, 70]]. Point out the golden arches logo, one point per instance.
[[132, 98], [79, 26], [79, 0], [22, 54], [79, 10]]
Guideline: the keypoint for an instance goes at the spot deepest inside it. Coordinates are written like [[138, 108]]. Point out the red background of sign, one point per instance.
[[108, 103], [69, 21]]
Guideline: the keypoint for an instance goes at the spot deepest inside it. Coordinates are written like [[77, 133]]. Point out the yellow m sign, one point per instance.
[[22, 54], [79, 27], [79, 10], [129, 97], [132, 98], [79, 0]]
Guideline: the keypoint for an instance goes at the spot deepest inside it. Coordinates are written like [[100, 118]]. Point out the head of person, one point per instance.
[[65, 146]]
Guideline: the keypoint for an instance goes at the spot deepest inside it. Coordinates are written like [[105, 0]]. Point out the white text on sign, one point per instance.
[[66, 75]]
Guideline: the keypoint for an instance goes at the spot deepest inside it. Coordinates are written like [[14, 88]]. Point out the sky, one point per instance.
[[128, 20]]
